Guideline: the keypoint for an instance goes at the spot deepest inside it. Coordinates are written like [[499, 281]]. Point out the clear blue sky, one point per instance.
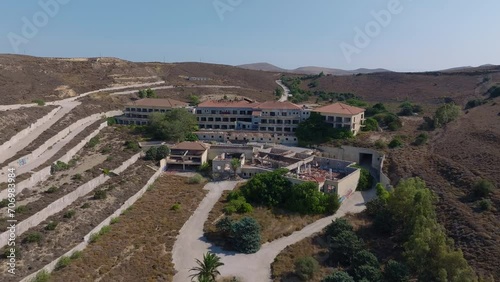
[[425, 35]]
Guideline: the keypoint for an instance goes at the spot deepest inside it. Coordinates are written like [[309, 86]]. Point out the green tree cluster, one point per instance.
[[243, 235], [494, 92], [147, 93], [157, 153], [333, 96], [315, 130], [409, 109], [272, 189], [176, 125], [446, 114]]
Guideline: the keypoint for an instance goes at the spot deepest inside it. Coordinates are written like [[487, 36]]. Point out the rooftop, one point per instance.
[[190, 146], [275, 105], [339, 108], [164, 103], [226, 104]]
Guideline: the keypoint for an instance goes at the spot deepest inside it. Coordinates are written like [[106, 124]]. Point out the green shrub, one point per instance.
[[421, 139], [244, 235], [344, 246], [365, 257], [151, 154], [111, 121], [371, 124], [474, 103], [229, 209], [396, 272], [306, 267], [62, 263], [338, 226], [69, 214], [76, 255], [39, 102], [380, 144], [51, 225], [33, 237], [175, 207], [4, 203], [494, 92], [238, 205], [58, 166], [482, 188], [100, 194], [42, 276], [21, 209], [338, 276], [76, 177], [446, 114], [365, 181], [51, 190], [234, 195], [162, 152], [382, 193], [368, 272], [485, 204], [132, 145], [396, 142], [197, 179], [106, 171], [114, 220], [95, 236], [93, 142], [85, 206]]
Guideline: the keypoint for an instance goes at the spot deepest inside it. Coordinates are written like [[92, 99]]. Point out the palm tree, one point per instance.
[[235, 164], [206, 271]]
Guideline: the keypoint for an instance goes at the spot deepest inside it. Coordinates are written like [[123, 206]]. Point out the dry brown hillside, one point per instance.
[[426, 88], [24, 78]]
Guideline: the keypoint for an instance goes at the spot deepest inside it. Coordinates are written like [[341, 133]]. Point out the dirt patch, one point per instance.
[[274, 223], [13, 121], [138, 247]]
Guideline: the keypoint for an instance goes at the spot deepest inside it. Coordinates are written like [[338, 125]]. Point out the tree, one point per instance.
[[365, 257], [337, 226], [446, 114], [174, 125], [267, 189], [151, 154], [368, 272], [306, 267], [344, 246], [338, 276], [207, 270], [371, 124], [382, 193], [315, 130], [365, 181], [278, 92], [162, 152], [194, 100], [396, 272], [246, 235], [235, 164]]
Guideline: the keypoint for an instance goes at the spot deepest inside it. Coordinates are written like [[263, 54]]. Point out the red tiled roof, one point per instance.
[[275, 105], [190, 146], [164, 103], [226, 104], [339, 108]]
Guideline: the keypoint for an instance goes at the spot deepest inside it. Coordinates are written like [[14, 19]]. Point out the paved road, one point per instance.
[[286, 92], [256, 267]]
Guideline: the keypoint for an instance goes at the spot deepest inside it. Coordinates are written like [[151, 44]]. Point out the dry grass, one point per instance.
[[275, 223], [138, 247]]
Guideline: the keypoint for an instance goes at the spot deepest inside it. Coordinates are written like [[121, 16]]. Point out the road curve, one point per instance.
[[286, 92], [256, 267]]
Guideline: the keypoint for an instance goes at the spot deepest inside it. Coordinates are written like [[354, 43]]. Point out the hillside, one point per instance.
[[24, 78], [308, 69]]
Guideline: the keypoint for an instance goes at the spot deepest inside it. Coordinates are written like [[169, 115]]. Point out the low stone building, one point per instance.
[[138, 112], [187, 155]]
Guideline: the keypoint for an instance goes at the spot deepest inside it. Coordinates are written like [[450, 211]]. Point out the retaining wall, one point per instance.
[[64, 201], [25, 132], [56, 138], [80, 247]]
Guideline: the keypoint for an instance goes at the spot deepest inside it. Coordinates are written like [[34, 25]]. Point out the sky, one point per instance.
[[400, 35]]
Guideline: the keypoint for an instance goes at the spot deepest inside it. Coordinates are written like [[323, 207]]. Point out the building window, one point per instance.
[[242, 112], [198, 112]]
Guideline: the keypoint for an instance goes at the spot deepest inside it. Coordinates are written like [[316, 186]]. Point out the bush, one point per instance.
[[114, 220], [365, 257], [382, 193], [371, 124], [409, 109], [446, 114], [395, 143], [197, 179], [306, 267], [51, 225], [39, 102], [379, 144], [474, 103], [494, 92], [365, 180], [338, 276], [485, 205], [132, 145], [62, 263], [151, 154], [42, 276], [76, 177], [234, 195], [100, 194], [93, 142], [21, 209], [396, 272], [176, 207], [368, 272], [4, 203], [51, 190], [338, 226], [76, 255], [238, 205], [58, 166], [33, 237], [95, 236], [246, 235], [111, 121], [482, 188], [421, 139], [69, 214], [162, 152], [344, 246]]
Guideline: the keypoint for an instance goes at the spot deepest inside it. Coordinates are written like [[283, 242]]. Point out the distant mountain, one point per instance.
[[309, 69]]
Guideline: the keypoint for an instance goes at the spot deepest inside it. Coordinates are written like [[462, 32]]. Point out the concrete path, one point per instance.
[[12, 150], [286, 92], [256, 267]]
